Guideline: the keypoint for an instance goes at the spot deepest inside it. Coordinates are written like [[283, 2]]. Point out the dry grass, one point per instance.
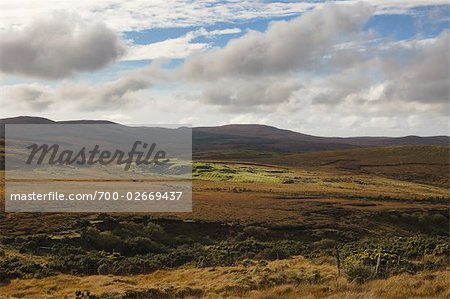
[[293, 278], [424, 285], [219, 281]]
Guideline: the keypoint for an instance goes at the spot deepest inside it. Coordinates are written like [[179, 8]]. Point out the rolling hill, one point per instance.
[[256, 137]]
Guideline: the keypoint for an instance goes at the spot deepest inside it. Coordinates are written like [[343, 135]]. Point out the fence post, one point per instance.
[[338, 262], [378, 263]]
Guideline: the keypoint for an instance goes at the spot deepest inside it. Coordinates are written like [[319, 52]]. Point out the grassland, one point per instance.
[[291, 278], [265, 226]]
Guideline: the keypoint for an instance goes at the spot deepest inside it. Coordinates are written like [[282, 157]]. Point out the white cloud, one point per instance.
[[224, 31], [402, 6], [139, 15], [134, 15], [180, 47]]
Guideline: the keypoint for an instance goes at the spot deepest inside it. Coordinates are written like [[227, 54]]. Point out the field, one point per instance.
[[354, 223]]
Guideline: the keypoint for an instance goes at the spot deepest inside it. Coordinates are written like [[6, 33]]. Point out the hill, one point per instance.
[[26, 120], [255, 137], [261, 137]]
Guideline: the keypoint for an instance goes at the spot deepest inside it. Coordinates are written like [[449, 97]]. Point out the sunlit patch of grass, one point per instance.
[[238, 173]]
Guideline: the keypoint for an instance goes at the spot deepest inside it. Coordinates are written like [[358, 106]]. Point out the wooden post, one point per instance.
[[378, 263], [338, 262]]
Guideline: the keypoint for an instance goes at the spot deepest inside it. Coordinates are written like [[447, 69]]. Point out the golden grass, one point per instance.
[[293, 278], [432, 285]]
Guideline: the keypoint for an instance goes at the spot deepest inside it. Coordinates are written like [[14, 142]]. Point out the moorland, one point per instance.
[[276, 214]]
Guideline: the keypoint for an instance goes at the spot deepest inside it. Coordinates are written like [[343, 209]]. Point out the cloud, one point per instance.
[[320, 73], [224, 31], [322, 58], [25, 97], [399, 79], [58, 47], [285, 46], [117, 117], [107, 95], [135, 15], [180, 47], [82, 96], [424, 78], [402, 6], [250, 94], [261, 70]]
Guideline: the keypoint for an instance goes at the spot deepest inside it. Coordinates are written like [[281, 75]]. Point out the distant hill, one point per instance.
[[43, 121], [87, 122], [26, 120], [261, 137], [257, 137]]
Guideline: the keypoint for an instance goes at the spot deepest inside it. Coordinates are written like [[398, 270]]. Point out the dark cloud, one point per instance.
[[58, 47]]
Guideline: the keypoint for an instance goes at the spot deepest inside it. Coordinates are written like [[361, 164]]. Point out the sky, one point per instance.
[[334, 68]]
